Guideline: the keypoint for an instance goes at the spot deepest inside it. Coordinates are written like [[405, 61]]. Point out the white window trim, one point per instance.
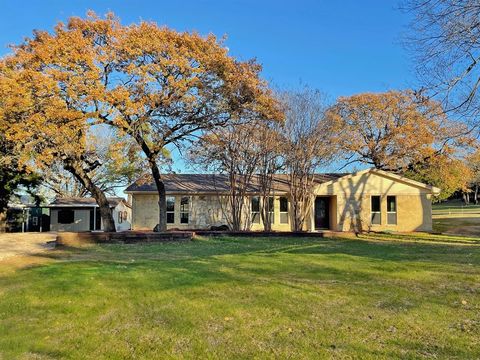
[[171, 211], [185, 211], [283, 212], [393, 212], [375, 212], [257, 213]]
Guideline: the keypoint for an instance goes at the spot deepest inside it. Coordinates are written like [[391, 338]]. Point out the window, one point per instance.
[[376, 216], [66, 216], [392, 210], [271, 209], [255, 209], [122, 216], [283, 210], [170, 209], [184, 209]]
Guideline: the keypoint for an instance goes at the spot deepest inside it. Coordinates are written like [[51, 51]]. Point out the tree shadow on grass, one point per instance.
[[395, 251], [164, 267], [200, 252], [154, 275], [168, 266]]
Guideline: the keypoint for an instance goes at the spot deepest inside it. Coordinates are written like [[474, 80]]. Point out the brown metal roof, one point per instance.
[[80, 202], [213, 183]]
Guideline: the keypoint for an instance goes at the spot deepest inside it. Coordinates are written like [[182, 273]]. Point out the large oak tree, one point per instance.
[[401, 132], [157, 85], [44, 124]]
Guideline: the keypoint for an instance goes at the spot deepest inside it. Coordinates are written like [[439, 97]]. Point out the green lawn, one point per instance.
[[454, 216], [454, 207], [384, 296]]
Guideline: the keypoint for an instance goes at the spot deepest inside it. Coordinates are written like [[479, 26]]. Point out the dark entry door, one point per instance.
[[321, 212], [35, 219]]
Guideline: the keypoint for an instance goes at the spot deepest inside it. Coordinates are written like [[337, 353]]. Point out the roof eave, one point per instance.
[[152, 192], [76, 206]]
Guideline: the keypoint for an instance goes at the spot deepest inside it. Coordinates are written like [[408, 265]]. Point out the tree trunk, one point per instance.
[[162, 198], [297, 203], [266, 218], [3, 221], [102, 202], [475, 200]]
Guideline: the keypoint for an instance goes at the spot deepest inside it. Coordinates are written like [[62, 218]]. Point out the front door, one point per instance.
[[322, 212]]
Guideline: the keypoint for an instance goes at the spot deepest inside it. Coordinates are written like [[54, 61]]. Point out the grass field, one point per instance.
[[382, 296], [457, 218]]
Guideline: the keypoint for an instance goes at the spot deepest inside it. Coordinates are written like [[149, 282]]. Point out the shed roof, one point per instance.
[[83, 202]]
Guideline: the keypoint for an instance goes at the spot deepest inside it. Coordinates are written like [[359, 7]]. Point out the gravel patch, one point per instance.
[[14, 244]]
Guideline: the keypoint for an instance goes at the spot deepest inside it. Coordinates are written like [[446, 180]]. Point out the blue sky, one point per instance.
[[340, 47]]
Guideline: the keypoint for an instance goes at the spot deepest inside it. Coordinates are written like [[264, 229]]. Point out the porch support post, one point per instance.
[[94, 218]]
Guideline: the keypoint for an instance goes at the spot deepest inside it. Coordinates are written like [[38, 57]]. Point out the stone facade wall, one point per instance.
[[205, 211]]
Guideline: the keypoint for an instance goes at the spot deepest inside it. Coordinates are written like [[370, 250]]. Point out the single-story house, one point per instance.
[[366, 200], [83, 214]]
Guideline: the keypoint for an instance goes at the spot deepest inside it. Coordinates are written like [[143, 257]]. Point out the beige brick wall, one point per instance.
[[353, 197], [414, 213]]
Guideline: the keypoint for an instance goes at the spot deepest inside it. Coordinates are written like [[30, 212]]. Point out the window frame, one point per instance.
[[285, 212], [184, 210], [390, 212], [170, 212], [373, 213], [255, 214]]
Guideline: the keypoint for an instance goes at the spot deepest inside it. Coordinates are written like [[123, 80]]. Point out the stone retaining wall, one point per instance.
[[75, 239]]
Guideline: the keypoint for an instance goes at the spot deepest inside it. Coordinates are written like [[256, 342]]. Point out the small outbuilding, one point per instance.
[[83, 214], [26, 217]]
